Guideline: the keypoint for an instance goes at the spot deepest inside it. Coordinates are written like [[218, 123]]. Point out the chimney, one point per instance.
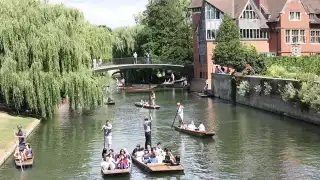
[[258, 3]]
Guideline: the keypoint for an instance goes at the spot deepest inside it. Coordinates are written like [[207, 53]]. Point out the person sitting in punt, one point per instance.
[[28, 151], [153, 156], [123, 153], [149, 148], [159, 152], [168, 158], [140, 153], [201, 127], [111, 153], [108, 163], [146, 156], [146, 103], [123, 162], [17, 155], [136, 150], [104, 152], [191, 127], [109, 100]]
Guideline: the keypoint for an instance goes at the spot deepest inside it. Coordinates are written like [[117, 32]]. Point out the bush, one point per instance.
[[289, 92], [243, 88]]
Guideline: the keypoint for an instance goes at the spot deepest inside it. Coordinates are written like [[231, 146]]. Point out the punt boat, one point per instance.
[[157, 167], [118, 172], [195, 132], [138, 104], [23, 163]]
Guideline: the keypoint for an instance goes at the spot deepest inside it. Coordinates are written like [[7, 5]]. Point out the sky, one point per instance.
[[112, 13]]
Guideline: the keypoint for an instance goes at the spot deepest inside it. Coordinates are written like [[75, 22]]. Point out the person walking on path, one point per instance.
[[147, 131], [148, 58], [107, 128], [135, 56], [180, 114]]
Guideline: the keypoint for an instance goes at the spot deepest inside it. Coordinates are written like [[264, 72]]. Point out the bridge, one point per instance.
[[132, 63]]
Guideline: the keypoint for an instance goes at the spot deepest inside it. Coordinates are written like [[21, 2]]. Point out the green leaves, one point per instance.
[[230, 52], [45, 53]]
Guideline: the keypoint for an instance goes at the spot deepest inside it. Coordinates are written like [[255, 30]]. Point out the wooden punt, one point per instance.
[[138, 104], [202, 95], [118, 172], [24, 163], [157, 168], [110, 103], [195, 133]]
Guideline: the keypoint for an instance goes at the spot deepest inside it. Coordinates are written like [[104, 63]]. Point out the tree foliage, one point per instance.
[[168, 30], [45, 53], [126, 41], [230, 52]]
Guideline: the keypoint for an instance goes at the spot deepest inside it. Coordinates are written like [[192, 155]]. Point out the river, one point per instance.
[[249, 144]]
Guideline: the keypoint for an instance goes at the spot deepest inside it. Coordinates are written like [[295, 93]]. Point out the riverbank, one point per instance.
[[8, 124]]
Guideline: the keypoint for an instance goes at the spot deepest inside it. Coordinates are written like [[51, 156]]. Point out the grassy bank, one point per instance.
[[8, 124]]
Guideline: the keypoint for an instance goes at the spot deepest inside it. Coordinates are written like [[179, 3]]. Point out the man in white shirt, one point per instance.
[[201, 127], [180, 114], [147, 131], [107, 128], [191, 126]]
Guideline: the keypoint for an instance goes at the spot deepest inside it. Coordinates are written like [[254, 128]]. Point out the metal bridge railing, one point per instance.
[[131, 60]]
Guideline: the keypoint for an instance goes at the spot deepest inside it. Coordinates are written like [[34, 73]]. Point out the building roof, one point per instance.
[[273, 7], [311, 6], [195, 4]]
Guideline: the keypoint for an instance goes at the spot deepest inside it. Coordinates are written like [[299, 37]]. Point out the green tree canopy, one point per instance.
[[45, 53], [229, 50], [168, 30]]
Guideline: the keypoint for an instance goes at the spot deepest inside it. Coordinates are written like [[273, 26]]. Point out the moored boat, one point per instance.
[[110, 103], [23, 163], [139, 104], [157, 167], [202, 95], [195, 132], [118, 172]]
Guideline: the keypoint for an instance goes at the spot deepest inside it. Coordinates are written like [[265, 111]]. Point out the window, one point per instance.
[[254, 34], [294, 16], [315, 36], [212, 12], [249, 13], [295, 36], [211, 34]]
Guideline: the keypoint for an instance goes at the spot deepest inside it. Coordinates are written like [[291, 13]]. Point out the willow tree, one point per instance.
[[45, 53], [126, 41]]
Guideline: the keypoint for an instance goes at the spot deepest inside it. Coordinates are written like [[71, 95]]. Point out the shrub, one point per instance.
[[289, 92], [243, 88], [267, 88]]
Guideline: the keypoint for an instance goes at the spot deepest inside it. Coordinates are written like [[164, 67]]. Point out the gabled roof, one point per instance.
[[311, 6], [273, 7], [195, 4]]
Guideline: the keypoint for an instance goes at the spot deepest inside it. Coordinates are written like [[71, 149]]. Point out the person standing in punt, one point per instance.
[[22, 138], [107, 128], [180, 114], [153, 98], [147, 131]]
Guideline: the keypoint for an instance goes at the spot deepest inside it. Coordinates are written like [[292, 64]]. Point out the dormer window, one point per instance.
[[311, 16], [249, 13], [294, 16]]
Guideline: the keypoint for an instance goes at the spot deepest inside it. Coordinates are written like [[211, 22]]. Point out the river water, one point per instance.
[[250, 144]]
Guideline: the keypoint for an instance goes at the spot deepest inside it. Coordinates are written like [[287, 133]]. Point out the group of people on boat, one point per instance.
[[152, 98], [111, 161], [155, 155], [182, 125], [23, 150]]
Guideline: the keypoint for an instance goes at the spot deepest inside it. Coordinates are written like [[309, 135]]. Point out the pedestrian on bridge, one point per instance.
[[135, 56], [148, 60], [94, 62]]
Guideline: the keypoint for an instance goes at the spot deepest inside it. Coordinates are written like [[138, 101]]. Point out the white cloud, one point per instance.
[[107, 12]]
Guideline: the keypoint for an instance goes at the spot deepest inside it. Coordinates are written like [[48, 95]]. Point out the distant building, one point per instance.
[[274, 27]]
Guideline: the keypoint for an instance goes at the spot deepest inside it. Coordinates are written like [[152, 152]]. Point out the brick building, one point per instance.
[[274, 27]]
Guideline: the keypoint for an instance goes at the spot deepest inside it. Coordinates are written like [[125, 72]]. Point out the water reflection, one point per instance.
[[249, 144]]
